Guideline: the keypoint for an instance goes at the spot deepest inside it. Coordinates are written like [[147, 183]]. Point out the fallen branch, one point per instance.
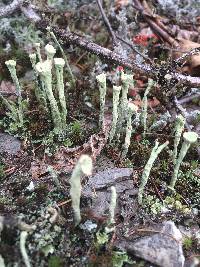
[[67, 37], [29, 12], [26, 8], [9, 9]]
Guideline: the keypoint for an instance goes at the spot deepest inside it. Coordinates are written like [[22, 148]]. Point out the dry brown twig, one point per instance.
[[107, 23], [26, 8], [72, 38]]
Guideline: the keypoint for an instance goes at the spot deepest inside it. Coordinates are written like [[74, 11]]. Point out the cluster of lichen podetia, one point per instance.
[[44, 70], [44, 90], [15, 109], [123, 110]]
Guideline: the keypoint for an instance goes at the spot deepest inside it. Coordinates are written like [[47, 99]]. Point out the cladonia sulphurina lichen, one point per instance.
[[116, 93], [59, 65], [11, 64], [50, 52], [143, 116], [83, 166], [132, 108], [72, 78], [179, 127], [101, 79], [127, 81], [44, 70], [145, 175], [189, 138], [23, 237], [37, 47]]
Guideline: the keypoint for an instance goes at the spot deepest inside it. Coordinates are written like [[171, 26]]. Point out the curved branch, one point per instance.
[[9, 9], [68, 37]]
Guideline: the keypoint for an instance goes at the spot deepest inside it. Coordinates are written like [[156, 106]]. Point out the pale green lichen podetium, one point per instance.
[[73, 80], [23, 237], [83, 166], [59, 65], [33, 59], [37, 47], [50, 52], [127, 81], [116, 93], [11, 64], [101, 79], [145, 175], [189, 138], [132, 108], [2, 263], [44, 69], [179, 127], [143, 116], [113, 202], [39, 93]]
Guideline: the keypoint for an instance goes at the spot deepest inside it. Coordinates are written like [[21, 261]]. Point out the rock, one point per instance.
[[98, 188], [106, 179], [163, 249], [9, 144]]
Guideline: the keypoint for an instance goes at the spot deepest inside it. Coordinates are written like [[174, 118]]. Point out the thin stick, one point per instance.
[[68, 37], [107, 23], [64, 56]]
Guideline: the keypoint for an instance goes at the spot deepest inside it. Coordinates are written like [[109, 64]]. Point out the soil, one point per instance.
[[35, 166]]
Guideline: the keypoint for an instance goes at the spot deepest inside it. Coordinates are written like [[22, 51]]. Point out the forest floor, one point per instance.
[[36, 165]]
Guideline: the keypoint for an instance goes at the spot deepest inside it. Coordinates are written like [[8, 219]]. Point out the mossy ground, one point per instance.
[[59, 243]]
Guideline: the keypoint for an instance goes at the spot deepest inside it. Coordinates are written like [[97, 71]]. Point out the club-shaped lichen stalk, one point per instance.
[[33, 59], [143, 116], [37, 47], [11, 64], [44, 69], [39, 89], [101, 79], [2, 263], [189, 138], [50, 52], [83, 166], [127, 81], [59, 65], [23, 237], [116, 93], [73, 80], [145, 175], [179, 127], [132, 108], [113, 202]]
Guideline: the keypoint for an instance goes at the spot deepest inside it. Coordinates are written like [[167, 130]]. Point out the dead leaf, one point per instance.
[[192, 65]]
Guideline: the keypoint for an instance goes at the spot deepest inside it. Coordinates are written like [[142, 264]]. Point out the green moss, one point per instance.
[[187, 242], [4, 201], [55, 261], [119, 258]]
